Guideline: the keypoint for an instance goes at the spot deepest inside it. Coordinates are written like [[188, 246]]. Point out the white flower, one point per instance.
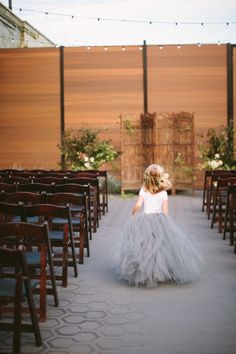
[[220, 162], [213, 164], [86, 158], [87, 165], [91, 159], [217, 156]]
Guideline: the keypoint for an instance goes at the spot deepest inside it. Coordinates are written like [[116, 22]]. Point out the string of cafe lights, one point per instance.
[[124, 48], [150, 22]]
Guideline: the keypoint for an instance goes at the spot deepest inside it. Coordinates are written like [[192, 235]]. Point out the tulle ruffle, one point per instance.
[[152, 248]]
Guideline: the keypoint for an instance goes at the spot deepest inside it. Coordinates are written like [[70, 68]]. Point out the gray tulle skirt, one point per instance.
[[152, 248]]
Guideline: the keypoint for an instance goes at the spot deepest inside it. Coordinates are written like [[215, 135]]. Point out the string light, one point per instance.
[[125, 20]]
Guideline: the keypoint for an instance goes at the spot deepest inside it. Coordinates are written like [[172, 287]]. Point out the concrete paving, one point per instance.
[[100, 314]]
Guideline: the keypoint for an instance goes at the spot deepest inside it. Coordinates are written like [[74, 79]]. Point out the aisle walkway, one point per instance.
[[99, 314]]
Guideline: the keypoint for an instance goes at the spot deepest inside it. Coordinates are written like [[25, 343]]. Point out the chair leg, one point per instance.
[[34, 319], [53, 280], [65, 257], [73, 253], [17, 318], [214, 213], [220, 221], [231, 228], [225, 221], [43, 286], [203, 198]]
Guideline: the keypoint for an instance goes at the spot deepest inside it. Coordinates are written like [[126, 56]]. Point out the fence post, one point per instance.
[[145, 79], [62, 99], [230, 97]]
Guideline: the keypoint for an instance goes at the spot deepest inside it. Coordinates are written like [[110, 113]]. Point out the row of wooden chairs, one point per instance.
[[36, 235], [219, 199], [16, 289], [60, 239], [75, 187], [57, 176]]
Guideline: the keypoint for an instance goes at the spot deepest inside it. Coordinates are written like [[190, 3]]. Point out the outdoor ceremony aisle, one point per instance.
[[100, 314]]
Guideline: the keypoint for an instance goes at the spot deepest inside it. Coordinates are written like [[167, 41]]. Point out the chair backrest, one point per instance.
[[83, 180], [231, 195], [9, 210], [26, 234], [49, 180], [79, 174], [24, 197], [17, 180], [223, 182], [68, 199], [6, 187], [73, 188], [37, 187], [48, 212], [14, 258], [92, 182]]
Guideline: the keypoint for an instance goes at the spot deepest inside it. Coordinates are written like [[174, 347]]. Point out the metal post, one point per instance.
[[10, 4], [230, 97], [145, 83], [230, 85], [62, 98]]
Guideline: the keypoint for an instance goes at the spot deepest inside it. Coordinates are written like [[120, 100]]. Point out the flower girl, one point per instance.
[[152, 247]]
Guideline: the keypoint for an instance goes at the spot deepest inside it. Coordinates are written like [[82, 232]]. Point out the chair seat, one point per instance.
[[33, 258], [62, 221], [56, 235], [7, 287]]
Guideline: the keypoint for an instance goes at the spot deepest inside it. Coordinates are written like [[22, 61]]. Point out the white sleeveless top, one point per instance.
[[153, 202]]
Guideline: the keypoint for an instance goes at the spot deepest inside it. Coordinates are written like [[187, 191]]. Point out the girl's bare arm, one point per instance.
[[137, 205], [165, 207]]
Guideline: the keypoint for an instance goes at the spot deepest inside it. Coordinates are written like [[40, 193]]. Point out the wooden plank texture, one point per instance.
[[29, 107]]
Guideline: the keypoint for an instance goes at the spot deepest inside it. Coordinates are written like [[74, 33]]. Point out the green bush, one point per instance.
[[82, 149]]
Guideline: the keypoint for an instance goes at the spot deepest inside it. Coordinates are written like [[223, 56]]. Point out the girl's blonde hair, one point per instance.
[[155, 179]]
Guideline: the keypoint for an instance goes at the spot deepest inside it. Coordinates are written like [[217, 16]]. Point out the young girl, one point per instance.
[[152, 248]]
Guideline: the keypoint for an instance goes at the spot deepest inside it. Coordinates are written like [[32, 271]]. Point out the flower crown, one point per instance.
[[156, 175], [158, 180]]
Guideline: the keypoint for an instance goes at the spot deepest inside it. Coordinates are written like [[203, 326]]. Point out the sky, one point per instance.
[[130, 22]]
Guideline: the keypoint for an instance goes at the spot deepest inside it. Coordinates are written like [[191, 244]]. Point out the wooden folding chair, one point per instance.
[[15, 287], [94, 197], [103, 186], [39, 256], [220, 200], [230, 215], [78, 189], [61, 238], [213, 184], [78, 206]]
